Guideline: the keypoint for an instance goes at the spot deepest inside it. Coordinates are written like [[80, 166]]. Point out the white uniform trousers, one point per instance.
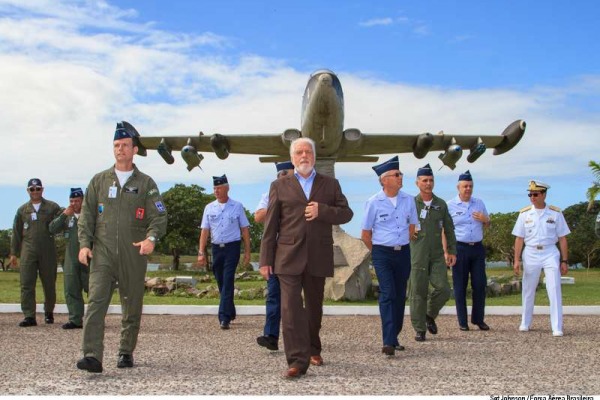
[[534, 260]]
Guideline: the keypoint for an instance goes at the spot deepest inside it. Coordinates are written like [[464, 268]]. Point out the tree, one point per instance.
[[5, 235], [498, 239], [593, 191], [583, 243], [256, 232], [185, 205]]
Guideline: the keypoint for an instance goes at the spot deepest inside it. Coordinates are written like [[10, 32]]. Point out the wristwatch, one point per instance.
[[564, 261], [151, 238]]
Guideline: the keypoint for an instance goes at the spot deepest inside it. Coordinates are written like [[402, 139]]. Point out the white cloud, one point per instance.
[[377, 22]]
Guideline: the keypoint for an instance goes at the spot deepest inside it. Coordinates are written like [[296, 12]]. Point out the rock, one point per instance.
[[493, 289], [151, 283], [160, 290], [351, 278], [505, 288], [516, 286]]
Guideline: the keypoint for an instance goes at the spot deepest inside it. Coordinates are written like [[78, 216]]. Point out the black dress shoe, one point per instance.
[[431, 325], [49, 318], [70, 325], [483, 326], [269, 342], [90, 364], [388, 350], [125, 361], [224, 325], [463, 327], [420, 337], [28, 321], [399, 347]]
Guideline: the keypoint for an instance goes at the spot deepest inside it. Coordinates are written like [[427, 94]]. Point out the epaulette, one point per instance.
[[554, 208], [522, 210]]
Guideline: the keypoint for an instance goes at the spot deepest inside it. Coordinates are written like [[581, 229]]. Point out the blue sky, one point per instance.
[[70, 70]]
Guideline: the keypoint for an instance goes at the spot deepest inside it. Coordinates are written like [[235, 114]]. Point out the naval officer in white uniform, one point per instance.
[[538, 228]]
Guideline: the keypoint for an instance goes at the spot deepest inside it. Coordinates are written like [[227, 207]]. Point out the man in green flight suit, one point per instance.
[[428, 260], [32, 241], [75, 274], [122, 217]]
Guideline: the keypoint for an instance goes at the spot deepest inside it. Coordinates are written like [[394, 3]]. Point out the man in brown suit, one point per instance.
[[297, 246]]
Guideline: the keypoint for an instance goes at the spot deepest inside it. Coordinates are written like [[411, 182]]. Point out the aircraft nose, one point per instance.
[[325, 79]]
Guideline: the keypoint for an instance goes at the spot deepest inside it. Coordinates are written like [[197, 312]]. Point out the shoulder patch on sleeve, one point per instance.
[[160, 206], [554, 208], [522, 210]]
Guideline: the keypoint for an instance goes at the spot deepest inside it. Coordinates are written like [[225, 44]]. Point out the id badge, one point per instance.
[[112, 192], [34, 216], [423, 214]]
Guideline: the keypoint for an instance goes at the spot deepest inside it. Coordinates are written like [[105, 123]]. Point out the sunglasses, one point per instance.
[[396, 174], [536, 194], [34, 189]]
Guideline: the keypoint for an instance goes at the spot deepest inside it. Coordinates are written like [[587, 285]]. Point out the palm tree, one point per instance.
[[594, 190]]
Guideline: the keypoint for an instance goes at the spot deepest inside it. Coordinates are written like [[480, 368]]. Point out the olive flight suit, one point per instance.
[[75, 274], [112, 219], [34, 244], [428, 264]]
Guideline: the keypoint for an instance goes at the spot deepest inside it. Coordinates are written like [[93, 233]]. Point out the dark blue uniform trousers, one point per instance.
[[393, 269], [470, 260], [273, 309], [225, 261]]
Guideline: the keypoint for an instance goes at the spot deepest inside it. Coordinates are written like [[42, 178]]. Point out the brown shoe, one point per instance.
[[388, 350], [316, 360], [293, 373]]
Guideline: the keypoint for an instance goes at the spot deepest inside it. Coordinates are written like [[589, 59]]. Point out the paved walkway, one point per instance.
[[190, 355]]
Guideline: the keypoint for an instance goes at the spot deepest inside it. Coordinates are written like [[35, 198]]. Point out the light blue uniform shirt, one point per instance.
[[264, 201], [466, 228], [306, 183], [224, 223], [390, 224]]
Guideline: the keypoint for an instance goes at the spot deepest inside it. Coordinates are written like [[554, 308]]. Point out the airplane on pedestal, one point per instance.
[[322, 120]]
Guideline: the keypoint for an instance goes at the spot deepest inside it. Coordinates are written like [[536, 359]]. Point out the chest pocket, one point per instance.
[[383, 217]]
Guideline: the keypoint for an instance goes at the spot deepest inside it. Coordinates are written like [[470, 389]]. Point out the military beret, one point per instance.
[[34, 182], [282, 166], [389, 165], [219, 180], [537, 186], [465, 176], [425, 171], [76, 192]]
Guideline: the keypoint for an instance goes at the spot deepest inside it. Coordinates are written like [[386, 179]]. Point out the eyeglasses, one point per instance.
[[535, 194], [396, 174], [34, 188]]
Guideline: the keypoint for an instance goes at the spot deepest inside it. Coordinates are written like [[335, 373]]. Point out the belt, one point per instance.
[[537, 247], [223, 245], [469, 243], [395, 248]]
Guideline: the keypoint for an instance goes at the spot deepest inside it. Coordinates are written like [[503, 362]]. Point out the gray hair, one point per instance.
[[303, 140]]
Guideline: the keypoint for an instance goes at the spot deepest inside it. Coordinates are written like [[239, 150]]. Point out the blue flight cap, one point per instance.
[[34, 182], [465, 176], [220, 180], [76, 192], [282, 166], [122, 133], [425, 171], [391, 164]]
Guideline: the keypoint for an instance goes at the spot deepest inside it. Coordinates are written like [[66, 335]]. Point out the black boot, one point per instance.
[[49, 317]]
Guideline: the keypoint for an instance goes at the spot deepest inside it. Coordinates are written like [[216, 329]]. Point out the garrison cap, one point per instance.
[[122, 133], [220, 180], [34, 182], [537, 186], [465, 176], [282, 166], [76, 192], [389, 165], [425, 171]]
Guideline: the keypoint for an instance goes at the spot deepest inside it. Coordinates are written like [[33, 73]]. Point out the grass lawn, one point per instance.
[[583, 292]]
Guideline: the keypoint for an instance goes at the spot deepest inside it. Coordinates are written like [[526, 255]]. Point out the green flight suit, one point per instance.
[[34, 244], [598, 225], [111, 221], [75, 274], [427, 261]]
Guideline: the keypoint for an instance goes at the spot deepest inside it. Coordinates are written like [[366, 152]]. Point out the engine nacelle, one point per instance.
[[476, 151], [289, 135], [452, 154], [220, 145], [422, 145], [512, 134], [165, 152], [191, 157], [352, 134]]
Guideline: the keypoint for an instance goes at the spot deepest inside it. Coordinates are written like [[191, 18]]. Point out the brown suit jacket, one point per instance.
[[290, 243]]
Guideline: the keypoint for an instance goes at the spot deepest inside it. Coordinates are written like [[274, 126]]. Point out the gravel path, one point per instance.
[[190, 355]]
